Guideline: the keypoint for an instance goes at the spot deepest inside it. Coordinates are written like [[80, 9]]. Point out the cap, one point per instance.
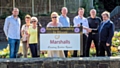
[[34, 18]]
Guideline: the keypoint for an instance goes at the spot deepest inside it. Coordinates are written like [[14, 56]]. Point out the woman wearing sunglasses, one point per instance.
[[32, 34], [55, 23]]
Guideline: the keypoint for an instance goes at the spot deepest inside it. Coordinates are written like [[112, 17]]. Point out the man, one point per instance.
[[12, 32], [106, 32], [78, 20], [94, 23], [65, 21]]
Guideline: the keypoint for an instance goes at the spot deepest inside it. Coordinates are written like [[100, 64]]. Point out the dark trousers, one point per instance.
[[66, 53], [84, 45], [104, 48], [95, 39], [33, 49]]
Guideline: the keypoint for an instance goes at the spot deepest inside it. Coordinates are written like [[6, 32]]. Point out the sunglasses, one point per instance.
[[33, 21], [54, 17]]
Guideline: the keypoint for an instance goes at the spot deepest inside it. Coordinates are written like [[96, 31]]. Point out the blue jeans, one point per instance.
[[14, 47]]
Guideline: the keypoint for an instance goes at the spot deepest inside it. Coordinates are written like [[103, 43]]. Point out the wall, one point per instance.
[[94, 62]]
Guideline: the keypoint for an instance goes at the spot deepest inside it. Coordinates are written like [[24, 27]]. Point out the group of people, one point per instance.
[[100, 31]]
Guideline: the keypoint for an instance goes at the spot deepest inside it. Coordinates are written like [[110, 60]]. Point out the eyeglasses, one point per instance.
[[54, 17], [33, 21]]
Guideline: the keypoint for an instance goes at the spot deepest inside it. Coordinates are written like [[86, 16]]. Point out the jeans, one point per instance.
[[14, 47]]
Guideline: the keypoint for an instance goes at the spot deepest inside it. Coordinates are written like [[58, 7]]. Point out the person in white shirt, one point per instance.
[[24, 29], [78, 21], [12, 32]]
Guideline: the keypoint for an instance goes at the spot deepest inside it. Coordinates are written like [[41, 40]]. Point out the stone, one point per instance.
[[3, 65], [80, 66], [85, 62], [103, 65], [115, 64], [62, 66]]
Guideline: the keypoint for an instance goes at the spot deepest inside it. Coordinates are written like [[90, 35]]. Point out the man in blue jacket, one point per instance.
[[106, 32]]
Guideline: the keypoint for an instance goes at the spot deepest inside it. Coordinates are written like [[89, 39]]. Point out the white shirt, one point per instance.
[[51, 25], [12, 27], [24, 29], [77, 20]]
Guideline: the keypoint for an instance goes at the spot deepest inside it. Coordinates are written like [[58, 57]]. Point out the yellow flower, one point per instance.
[[69, 54], [114, 49]]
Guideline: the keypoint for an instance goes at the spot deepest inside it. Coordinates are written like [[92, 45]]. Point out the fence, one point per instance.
[[41, 6]]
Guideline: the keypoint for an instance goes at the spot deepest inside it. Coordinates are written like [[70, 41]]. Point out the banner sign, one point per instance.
[[62, 38]]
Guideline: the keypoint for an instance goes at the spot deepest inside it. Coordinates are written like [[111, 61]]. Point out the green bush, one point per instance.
[[4, 15], [22, 15]]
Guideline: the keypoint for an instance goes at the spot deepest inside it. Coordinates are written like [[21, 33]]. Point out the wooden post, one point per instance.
[[90, 4], [81, 4], [45, 7], [13, 3], [64, 3], [38, 44], [81, 40], [33, 7], [49, 5]]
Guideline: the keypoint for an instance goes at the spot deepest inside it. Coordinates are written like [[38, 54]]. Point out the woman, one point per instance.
[[55, 23], [24, 29], [33, 37]]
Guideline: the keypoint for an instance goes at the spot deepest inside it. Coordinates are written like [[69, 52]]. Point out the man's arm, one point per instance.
[[22, 30], [86, 26], [68, 22], [75, 22], [60, 19], [6, 27], [94, 30], [111, 33]]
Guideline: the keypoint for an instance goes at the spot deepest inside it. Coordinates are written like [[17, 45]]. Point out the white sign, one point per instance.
[[59, 41]]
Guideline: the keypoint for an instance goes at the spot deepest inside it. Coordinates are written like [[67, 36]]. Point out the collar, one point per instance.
[[93, 18], [106, 21], [63, 16], [13, 17], [80, 17]]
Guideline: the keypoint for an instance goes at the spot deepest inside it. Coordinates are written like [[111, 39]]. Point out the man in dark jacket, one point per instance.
[[106, 32], [94, 23]]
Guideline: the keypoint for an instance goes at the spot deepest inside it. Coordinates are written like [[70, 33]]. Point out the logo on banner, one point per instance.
[[57, 36]]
